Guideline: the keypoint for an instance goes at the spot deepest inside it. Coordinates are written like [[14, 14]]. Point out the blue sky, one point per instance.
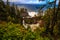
[[30, 1]]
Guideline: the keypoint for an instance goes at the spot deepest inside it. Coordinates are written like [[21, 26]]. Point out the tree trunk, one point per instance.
[[53, 20]]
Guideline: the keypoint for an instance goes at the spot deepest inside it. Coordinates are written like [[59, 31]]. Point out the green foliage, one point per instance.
[[10, 31], [48, 19], [9, 13]]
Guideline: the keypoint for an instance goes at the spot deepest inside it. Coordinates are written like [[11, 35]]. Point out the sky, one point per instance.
[[30, 1]]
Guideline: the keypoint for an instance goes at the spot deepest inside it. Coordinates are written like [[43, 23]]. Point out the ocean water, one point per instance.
[[30, 7], [35, 7]]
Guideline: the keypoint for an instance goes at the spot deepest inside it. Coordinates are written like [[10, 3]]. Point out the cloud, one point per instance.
[[12, 0], [57, 2], [29, 1], [33, 2], [4, 0], [36, 2], [15, 0]]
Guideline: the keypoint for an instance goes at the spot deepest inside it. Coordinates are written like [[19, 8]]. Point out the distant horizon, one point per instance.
[[30, 1]]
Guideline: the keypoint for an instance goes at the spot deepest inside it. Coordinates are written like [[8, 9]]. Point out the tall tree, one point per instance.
[[53, 20], [58, 17], [3, 14], [7, 2]]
